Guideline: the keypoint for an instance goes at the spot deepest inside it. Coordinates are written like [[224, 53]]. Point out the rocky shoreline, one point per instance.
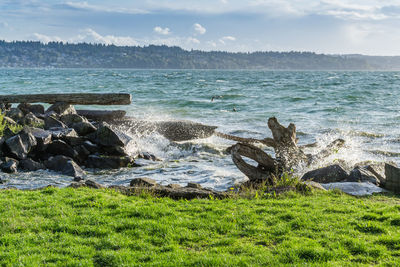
[[61, 140]]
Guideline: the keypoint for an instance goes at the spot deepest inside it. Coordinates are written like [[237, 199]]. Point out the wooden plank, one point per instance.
[[75, 99], [102, 115]]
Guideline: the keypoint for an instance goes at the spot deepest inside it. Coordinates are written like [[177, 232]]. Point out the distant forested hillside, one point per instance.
[[64, 55]]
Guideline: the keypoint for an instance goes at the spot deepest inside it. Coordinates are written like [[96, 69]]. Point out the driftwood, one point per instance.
[[267, 141], [80, 99], [102, 115], [267, 166], [288, 155]]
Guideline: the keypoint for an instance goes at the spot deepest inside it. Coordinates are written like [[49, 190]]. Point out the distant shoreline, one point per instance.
[[29, 54]]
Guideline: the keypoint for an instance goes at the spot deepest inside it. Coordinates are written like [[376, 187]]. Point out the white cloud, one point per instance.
[[192, 40], [224, 39], [199, 29], [162, 31], [86, 6], [341, 9], [110, 39], [46, 39], [89, 36], [354, 15]]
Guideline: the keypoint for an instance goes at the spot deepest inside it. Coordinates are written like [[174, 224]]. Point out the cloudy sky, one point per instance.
[[332, 26]]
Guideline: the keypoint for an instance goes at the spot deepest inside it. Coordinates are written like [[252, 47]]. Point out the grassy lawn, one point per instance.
[[72, 227]]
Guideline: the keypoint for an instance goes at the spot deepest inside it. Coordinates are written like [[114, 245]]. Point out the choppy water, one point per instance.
[[361, 107]]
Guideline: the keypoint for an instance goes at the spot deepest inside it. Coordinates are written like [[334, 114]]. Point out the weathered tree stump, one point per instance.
[[288, 155], [267, 166]]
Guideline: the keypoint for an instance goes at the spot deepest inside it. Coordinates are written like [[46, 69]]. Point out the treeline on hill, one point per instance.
[[84, 55]]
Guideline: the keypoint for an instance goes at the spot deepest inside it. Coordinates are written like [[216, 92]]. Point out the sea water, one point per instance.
[[360, 107]]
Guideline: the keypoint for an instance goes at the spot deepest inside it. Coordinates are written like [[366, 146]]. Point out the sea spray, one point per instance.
[[360, 107]]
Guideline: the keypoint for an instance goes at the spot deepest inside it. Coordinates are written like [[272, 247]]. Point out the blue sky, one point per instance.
[[369, 27]]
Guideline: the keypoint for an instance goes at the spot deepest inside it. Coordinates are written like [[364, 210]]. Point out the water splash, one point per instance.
[[360, 107]]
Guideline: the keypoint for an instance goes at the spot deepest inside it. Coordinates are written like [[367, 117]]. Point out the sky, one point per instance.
[[370, 27]]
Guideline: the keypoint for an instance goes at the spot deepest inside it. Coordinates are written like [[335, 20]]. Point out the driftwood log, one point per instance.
[[102, 115], [288, 155], [80, 99]]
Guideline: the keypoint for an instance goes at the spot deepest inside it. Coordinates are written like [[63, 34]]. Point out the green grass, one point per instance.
[[85, 227]]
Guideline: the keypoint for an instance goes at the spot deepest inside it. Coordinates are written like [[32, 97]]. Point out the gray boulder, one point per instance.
[[15, 113], [93, 184], [9, 165], [59, 147], [61, 108], [51, 122], [70, 119], [63, 133], [106, 136], [108, 162], [35, 109], [378, 169], [362, 174], [83, 154], [20, 145], [84, 128], [330, 174], [143, 182], [65, 165], [194, 185], [15, 147], [2, 141], [7, 133], [74, 140], [93, 148], [147, 156], [174, 186], [116, 151], [43, 137], [31, 120], [86, 183], [392, 174], [28, 140], [31, 165]]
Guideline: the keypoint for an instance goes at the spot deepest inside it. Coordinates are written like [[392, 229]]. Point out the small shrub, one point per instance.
[[286, 179], [3, 125]]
